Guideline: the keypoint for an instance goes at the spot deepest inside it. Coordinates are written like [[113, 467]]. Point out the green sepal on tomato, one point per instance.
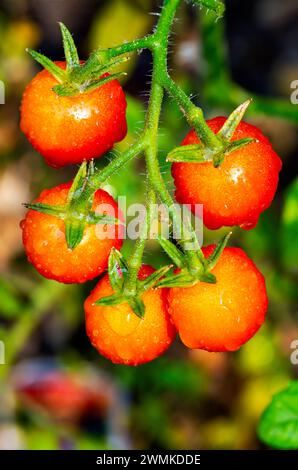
[[234, 187], [73, 111], [47, 235]]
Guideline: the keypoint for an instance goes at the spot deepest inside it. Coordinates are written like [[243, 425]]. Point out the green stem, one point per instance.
[[135, 260], [103, 56], [159, 45], [158, 42], [186, 232], [195, 257], [100, 176], [136, 45], [194, 114]]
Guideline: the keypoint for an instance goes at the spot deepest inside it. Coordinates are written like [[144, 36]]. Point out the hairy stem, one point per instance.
[[194, 115], [137, 45], [135, 260], [195, 257], [100, 176], [161, 81]]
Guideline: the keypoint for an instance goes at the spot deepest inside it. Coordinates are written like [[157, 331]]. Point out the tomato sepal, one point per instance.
[[200, 153], [152, 280], [117, 269], [195, 153], [110, 300], [78, 77], [186, 279], [70, 50], [228, 129], [181, 279], [72, 88], [77, 212], [238, 144], [49, 65], [219, 248], [137, 305], [172, 251], [48, 209]]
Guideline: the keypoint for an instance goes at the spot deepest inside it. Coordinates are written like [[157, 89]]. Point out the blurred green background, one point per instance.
[[56, 391]]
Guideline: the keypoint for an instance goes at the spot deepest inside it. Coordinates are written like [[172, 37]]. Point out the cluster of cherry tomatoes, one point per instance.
[[215, 317]]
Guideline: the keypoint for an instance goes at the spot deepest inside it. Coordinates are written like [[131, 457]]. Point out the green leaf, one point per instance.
[[172, 251], [278, 426], [56, 211], [153, 279], [74, 231], [195, 153], [238, 144], [231, 124], [49, 65], [70, 50], [214, 257], [289, 229]]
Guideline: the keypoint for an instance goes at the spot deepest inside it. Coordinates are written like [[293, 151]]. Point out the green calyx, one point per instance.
[[118, 270], [201, 153], [184, 278], [78, 77], [77, 213]]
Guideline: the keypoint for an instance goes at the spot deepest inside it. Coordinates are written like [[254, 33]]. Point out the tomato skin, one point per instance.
[[222, 316], [119, 335], [45, 243], [238, 191], [68, 130]]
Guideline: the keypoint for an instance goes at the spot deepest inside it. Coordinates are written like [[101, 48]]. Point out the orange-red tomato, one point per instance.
[[238, 190], [45, 243], [71, 129], [64, 396], [119, 335], [222, 316]]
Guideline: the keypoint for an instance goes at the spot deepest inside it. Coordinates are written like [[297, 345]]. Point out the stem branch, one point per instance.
[[194, 114], [100, 176]]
